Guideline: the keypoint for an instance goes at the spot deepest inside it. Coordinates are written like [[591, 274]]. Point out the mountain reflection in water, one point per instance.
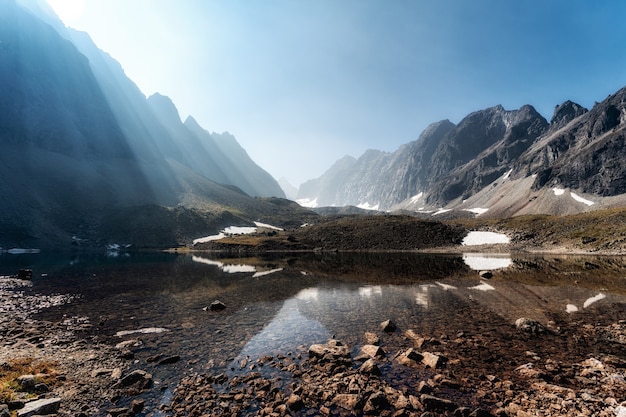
[[310, 298]]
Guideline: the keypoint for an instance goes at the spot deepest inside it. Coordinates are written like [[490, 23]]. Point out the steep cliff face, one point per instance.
[[507, 158], [377, 179], [79, 141], [482, 148], [586, 154], [445, 163]]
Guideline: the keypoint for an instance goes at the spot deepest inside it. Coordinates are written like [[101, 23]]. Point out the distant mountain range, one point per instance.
[[80, 143], [494, 162]]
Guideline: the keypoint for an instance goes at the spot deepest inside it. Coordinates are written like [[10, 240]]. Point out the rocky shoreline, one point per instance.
[[565, 368]]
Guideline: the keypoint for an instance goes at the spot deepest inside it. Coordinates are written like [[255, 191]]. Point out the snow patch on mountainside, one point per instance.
[[368, 206], [307, 202], [581, 199], [477, 210]]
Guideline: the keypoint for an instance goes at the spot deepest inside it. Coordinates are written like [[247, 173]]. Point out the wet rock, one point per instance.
[[115, 412], [462, 412], [486, 274], [136, 406], [369, 367], [424, 388], [373, 351], [331, 351], [432, 360], [529, 326], [294, 402], [432, 403], [418, 340], [137, 378], [217, 305], [388, 326], [479, 412], [40, 407], [410, 357], [25, 274], [346, 401], [169, 360], [372, 338], [375, 403]]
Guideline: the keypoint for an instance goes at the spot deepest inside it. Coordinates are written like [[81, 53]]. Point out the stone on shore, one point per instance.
[[388, 326], [40, 407], [217, 305], [137, 379], [330, 351], [432, 360], [529, 326]]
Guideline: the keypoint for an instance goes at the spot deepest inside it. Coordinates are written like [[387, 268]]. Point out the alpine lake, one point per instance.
[[277, 306]]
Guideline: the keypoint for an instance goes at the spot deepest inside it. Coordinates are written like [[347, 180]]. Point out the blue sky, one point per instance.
[[302, 83]]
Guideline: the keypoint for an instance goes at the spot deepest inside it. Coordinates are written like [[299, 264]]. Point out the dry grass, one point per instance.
[[44, 371]]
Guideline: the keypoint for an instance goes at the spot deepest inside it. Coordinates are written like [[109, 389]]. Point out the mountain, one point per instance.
[[79, 143], [495, 161], [291, 192]]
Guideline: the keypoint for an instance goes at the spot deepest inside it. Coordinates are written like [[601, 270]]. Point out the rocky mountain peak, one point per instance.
[[565, 113], [164, 108]]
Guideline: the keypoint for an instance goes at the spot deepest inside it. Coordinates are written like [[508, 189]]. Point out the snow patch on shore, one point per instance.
[[235, 230], [485, 238]]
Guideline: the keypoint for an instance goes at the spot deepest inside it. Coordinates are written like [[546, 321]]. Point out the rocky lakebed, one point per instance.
[[462, 360]]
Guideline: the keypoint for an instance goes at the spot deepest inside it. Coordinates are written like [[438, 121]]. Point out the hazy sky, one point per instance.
[[302, 83]]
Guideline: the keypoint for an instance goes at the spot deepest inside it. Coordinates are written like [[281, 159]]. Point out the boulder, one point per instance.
[[346, 401], [136, 406], [375, 403], [217, 305], [333, 350], [432, 360], [25, 274], [410, 357], [369, 367], [372, 338], [294, 402], [388, 326], [169, 360], [373, 351], [432, 403], [40, 407], [529, 326], [26, 382], [137, 378], [486, 274]]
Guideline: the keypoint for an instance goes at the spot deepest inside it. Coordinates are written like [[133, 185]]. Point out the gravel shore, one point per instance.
[[566, 368]]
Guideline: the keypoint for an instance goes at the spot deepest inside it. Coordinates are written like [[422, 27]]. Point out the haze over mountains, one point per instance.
[[79, 141], [88, 159], [496, 161]]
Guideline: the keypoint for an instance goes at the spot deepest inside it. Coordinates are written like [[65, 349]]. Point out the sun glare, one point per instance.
[[67, 10]]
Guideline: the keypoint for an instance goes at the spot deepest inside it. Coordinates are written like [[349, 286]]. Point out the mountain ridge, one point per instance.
[[494, 162], [80, 142]]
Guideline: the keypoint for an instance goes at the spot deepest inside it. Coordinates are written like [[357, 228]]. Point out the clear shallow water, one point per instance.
[[282, 305]]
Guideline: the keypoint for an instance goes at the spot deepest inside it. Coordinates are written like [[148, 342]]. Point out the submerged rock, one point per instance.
[[25, 274]]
